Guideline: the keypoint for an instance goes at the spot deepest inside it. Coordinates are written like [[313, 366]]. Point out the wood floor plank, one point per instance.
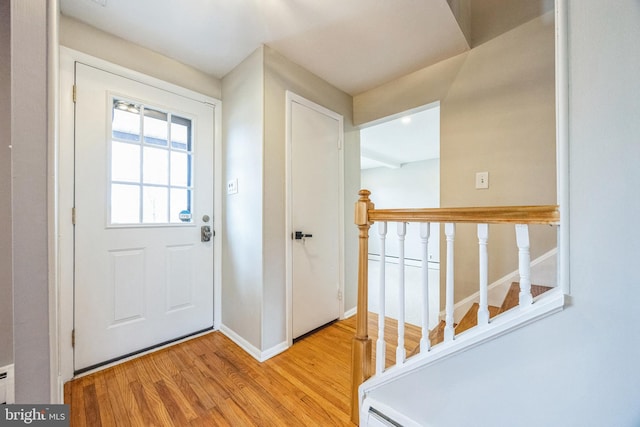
[[92, 405], [139, 394], [180, 414], [119, 382], [210, 381], [212, 418], [77, 404], [108, 414]]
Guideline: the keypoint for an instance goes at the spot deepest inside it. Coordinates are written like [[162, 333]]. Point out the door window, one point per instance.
[[151, 166]]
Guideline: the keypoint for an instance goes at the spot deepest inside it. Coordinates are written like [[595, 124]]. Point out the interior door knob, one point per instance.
[[300, 235]]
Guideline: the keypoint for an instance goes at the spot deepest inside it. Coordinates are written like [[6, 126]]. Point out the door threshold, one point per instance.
[[126, 357], [313, 331]]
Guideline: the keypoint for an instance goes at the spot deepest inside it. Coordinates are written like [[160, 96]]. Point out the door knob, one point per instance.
[[300, 235], [205, 233]]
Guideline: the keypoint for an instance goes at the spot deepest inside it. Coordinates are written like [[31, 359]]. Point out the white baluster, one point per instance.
[[425, 343], [524, 264], [400, 350], [483, 310], [380, 344], [450, 232]]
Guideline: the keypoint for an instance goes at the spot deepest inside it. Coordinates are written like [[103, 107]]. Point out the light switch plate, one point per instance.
[[232, 186], [482, 180]]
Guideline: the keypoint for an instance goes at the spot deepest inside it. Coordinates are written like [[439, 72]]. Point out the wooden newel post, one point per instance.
[[361, 344]]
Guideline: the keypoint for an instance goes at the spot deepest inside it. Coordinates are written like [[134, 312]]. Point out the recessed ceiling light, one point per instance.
[[102, 3], [406, 120]]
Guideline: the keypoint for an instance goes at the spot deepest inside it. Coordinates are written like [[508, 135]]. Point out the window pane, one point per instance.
[[125, 204], [180, 203], [154, 205], [180, 133], [126, 121], [155, 169], [180, 169], [155, 127], [125, 162]]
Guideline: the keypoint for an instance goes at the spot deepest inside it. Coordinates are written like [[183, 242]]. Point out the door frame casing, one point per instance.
[[65, 167], [290, 98]]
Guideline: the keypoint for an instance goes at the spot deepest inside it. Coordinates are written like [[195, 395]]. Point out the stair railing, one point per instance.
[[366, 215]]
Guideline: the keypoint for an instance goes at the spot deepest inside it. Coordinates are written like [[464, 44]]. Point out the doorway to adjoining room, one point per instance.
[[400, 165]]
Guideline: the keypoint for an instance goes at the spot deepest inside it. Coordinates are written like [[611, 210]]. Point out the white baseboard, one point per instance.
[[350, 312], [274, 351], [7, 385], [255, 352]]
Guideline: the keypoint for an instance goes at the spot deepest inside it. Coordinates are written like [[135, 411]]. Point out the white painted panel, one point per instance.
[[127, 282], [179, 276]]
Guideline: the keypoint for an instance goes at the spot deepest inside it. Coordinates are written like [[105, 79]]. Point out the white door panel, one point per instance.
[[140, 284], [315, 207]]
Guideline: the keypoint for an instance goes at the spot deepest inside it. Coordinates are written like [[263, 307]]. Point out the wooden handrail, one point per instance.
[[548, 214], [366, 215]]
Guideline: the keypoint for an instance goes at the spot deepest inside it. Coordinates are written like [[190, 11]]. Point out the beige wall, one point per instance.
[[491, 18], [254, 285], [497, 115], [34, 370], [6, 291], [282, 75], [84, 38], [242, 230]]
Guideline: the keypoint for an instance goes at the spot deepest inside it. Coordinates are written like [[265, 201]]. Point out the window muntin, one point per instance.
[[151, 166]]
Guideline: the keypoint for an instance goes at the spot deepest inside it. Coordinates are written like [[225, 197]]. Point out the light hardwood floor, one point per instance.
[[210, 381]]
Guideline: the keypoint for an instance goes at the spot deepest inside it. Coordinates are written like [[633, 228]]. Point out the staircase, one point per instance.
[[479, 325], [470, 319]]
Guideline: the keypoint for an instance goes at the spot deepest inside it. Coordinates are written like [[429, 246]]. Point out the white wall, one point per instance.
[[6, 291], [414, 185], [578, 367]]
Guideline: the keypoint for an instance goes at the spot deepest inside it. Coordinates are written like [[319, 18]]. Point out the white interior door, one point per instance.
[[316, 138], [143, 190]]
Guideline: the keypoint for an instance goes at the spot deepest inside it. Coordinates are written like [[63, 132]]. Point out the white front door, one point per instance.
[[316, 173], [143, 190]]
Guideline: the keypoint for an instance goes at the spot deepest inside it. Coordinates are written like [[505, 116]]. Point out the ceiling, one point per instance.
[[355, 45], [410, 138]]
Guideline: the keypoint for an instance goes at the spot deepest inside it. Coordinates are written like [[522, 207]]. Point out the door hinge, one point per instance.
[[73, 216], [339, 295], [74, 94], [73, 338]]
